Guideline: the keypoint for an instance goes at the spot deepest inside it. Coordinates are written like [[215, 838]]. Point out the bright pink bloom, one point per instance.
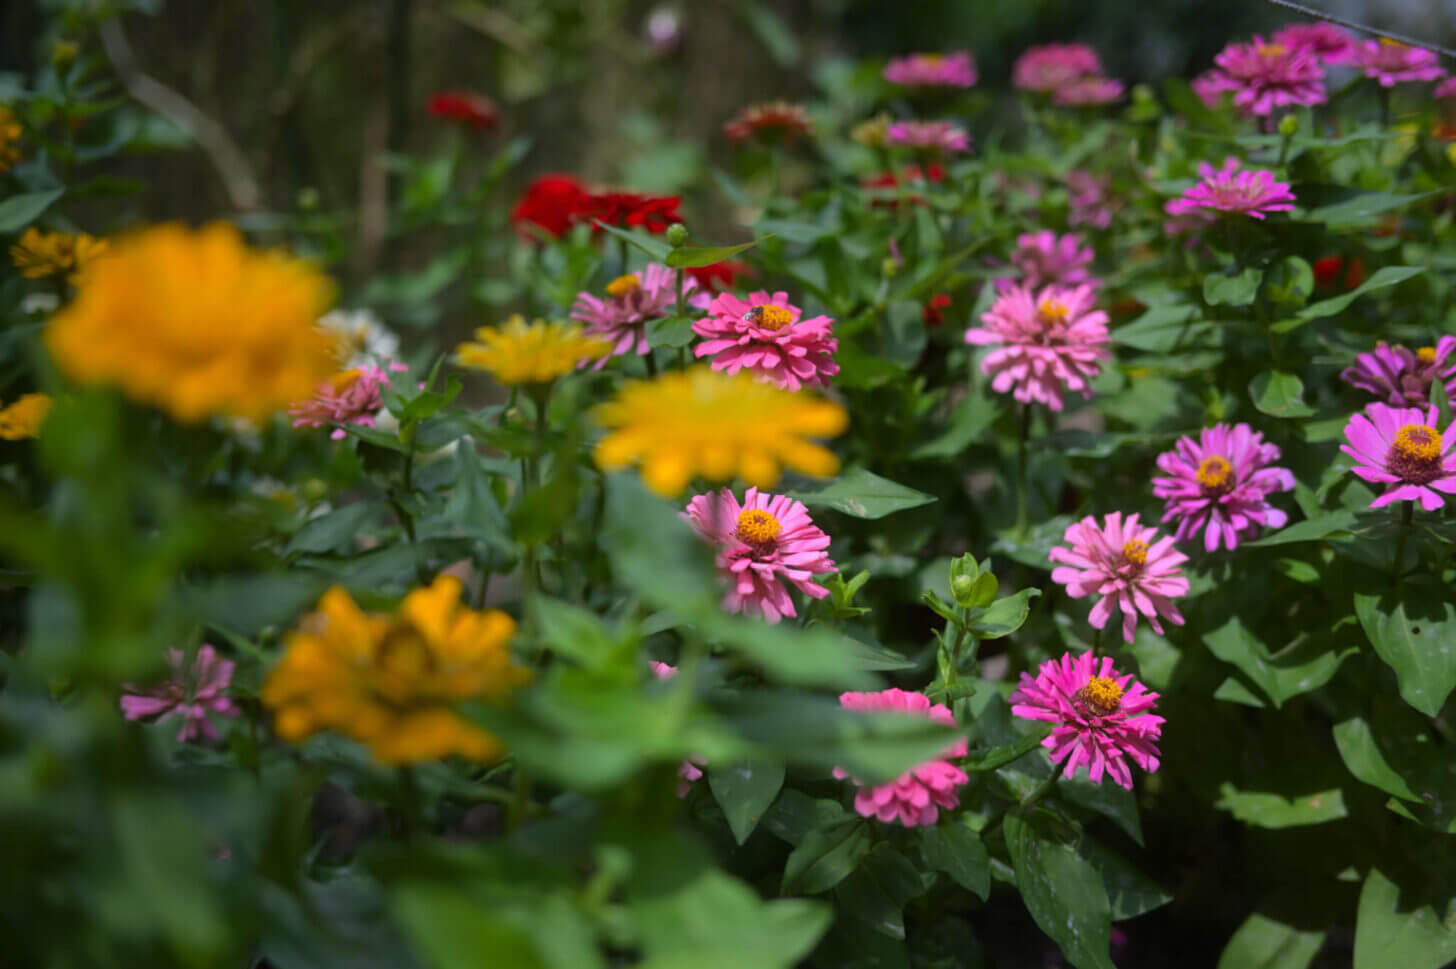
[[939, 136], [1401, 447], [956, 69], [1246, 191], [632, 301], [1265, 78], [1047, 343], [765, 336], [1219, 485], [1331, 44], [1089, 199], [1403, 376], [1087, 91], [1101, 719], [765, 539], [916, 796], [351, 397], [1051, 67], [1446, 89], [1047, 259], [1391, 62], [1132, 570], [687, 771], [1209, 87], [189, 693]]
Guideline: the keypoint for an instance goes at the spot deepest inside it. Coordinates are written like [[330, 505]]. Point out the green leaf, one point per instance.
[[1004, 616], [1334, 526], [777, 36], [1240, 290], [825, 857], [1165, 328], [692, 258], [1279, 394], [656, 248], [1414, 635], [1110, 800], [1362, 755], [1003, 755], [955, 849], [862, 494], [673, 332], [1382, 278], [1362, 208], [877, 891], [574, 633], [1064, 894], [968, 423], [1266, 810], [333, 532], [795, 814], [450, 930], [19, 211], [1262, 943], [1405, 762], [1305, 665], [1130, 893], [744, 792], [1387, 937]]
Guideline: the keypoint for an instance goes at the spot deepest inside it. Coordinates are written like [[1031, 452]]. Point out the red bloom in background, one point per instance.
[[466, 107], [635, 211], [1327, 272], [911, 175], [932, 312], [553, 204], [719, 276], [771, 120]]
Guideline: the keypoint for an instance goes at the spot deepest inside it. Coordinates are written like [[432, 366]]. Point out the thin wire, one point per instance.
[[1320, 14]]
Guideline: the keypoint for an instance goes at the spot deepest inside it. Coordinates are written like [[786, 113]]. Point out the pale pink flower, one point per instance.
[[1088, 91], [350, 397], [632, 301], [1047, 259], [687, 771], [1391, 62], [765, 336], [1129, 567], [916, 796], [957, 69], [1101, 719], [1219, 485], [1052, 66], [1243, 191], [1265, 78], [1401, 447], [1046, 343], [191, 693], [1089, 199], [938, 136], [1331, 44], [1403, 376], [762, 543]]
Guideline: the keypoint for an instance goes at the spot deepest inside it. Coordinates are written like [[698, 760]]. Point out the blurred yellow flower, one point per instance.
[[871, 133], [23, 418], [517, 353], [39, 254], [705, 423], [197, 323], [390, 682], [10, 132]]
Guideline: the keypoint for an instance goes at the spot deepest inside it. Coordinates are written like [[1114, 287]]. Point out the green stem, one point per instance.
[[1407, 515], [1022, 480], [520, 799], [1040, 791]]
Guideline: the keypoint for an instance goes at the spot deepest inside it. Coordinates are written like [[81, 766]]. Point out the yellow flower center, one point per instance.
[[341, 382], [623, 286], [1272, 50], [757, 527], [1102, 694], [770, 317], [931, 60], [1214, 473], [1426, 354], [1418, 442], [1053, 310], [1135, 552], [1387, 42]]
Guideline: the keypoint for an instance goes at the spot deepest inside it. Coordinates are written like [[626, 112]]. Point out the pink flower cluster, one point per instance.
[[957, 69], [765, 336], [1390, 62], [350, 397], [1241, 191], [916, 796], [1089, 199], [1127, 566], [1047, 259], [1070, 73], [687, 771], [631, 302], [1219, 485], [1266, 77], [941, 137], [1047, 343], [190, 693], [1402, 376], [1331, 44]]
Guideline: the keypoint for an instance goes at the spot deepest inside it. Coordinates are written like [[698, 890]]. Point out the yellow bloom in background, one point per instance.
[[391, 682], [871, 132], [23, 418], [39, 254], [10, 132], [517, 353], [197, 323], [704, 423]]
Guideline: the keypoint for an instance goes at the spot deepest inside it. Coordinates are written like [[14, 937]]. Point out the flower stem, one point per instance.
[[1023, 483], [1407, 515], [1040, 791]]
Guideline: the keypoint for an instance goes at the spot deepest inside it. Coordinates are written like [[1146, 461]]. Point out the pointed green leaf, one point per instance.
[[744, 792], [1416, 636]]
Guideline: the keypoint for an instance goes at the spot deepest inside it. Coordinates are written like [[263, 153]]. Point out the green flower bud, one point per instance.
[[890, 267], [64, 53], [308, 199], [1289, 125], [961, 586], [677, 234]]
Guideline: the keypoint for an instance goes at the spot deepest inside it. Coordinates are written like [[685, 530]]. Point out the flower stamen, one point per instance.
[[757, 527], [1135, 552], [623, 286], [1102, 695], [1426, 355], [1215, 475], [770, 317], [1053, 311], [1415, 454]]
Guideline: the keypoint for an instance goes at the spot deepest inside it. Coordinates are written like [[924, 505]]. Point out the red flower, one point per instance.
[[552, 204], [932, 313], [635, 211], [911, 175], [719, 276], [1327, 272], [467, 107], [772, 120]]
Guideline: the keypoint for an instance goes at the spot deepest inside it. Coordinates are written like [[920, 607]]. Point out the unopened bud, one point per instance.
[[961, 586], [308, 199], [1289, 125], [64, 53], [890, 267], [677, 234], [315, 489]]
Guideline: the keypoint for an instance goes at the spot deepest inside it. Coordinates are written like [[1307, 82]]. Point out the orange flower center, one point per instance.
[[757, 527], [623, 286], [1387, 42], [341, 382], [1052, 310], [1272, 50], [1426, 355], [770, 317], [1135, 552], [1418, 442], [1102, 695], [1214, 474]]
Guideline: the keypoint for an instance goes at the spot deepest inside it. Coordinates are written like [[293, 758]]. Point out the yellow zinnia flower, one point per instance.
[[23, 418], [516, 353], [701, 422], [197, 323], [39, 254], [10, 132], [391, 682]]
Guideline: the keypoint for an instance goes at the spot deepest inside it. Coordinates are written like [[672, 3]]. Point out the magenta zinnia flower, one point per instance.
[[916, 796], [1246, 191], [1132, 569], [1047, 259], [1089, 200], [1401, 447], [765, 539], [190, 693], [1446, 89], [765, 336], [1087, 91], [1403, 376], [1391, 62], [1219, 485], [1053, 66], [1047, 343], [632, 301], [1329, 43], [687, 771], [941, 136], [1265, 78], [350, 397], [1101, 719], [956, 69]]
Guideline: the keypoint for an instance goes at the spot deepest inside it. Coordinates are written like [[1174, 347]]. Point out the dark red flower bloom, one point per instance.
[[552, 204], [719, 276], [1327, 272], [466, 107], [635, 211], [932, 312], [911, 174], [774, 120]]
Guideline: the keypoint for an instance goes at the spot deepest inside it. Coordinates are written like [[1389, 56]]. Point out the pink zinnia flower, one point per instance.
[[631, 302], [1329, 43], [765, 336], [190, 694], [350, 397], [1401, 447], [1132, 570], [1047, 343], [1102, 719], [1089, 200], [1403, 376], [687, 771], [765, 539], [916, 796], [929, 136], [1446, 89], [1087, 91], [1047, 259], [956, 69], [1391, 62], [1052, 66], [1265, 78], [1209, 87], [1219, 485], [1246, 191]]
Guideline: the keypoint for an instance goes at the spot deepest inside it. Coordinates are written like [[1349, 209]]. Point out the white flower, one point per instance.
[[369, 340]]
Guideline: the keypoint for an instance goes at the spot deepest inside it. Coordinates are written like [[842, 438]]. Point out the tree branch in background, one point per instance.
[[1352, 25]]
